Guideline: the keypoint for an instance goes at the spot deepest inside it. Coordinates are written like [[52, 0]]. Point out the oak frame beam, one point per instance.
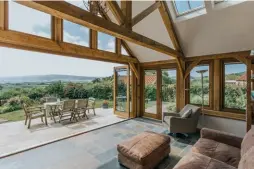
[[180, 66], [139, 17], [165, 14], [4, 15], [77, 15], [126, 7], [220, 56], [56, 29], [118, 46], [35, 43], [248, 104], [116, 10], [93, 35]]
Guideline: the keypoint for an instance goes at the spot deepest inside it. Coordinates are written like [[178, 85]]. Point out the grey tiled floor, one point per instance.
[[96, 149]]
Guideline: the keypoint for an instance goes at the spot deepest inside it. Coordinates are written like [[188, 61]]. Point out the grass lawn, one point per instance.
[[13, 116], [19, 115]]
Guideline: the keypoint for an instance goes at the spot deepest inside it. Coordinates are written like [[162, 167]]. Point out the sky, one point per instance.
[[15, 62]]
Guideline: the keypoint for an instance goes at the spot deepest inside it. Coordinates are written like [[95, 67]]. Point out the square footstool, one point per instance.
[[144, 151]]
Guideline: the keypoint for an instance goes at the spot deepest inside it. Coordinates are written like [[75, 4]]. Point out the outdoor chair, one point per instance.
[[81, 107], [67, 110], [33, 113], [51, 99], [91, 105]]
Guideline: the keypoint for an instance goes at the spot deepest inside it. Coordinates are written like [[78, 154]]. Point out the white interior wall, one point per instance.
[[236, 127]]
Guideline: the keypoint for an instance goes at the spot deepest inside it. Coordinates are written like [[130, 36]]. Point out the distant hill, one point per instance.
[[233, 76], [45, 78]]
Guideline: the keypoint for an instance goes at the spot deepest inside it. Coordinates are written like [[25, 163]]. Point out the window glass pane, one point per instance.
[[79, 3], [150, 91], [235, 86], [196, 4], [106, 42], [196, 85], [168, 90], [182, 6], [123, 51], [75, 34], [28, 20], [121, 92]]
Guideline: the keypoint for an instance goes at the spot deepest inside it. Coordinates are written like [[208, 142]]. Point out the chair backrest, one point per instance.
[[81, 103], [51, 99], [91, 102], [195, 111], [69, 105], [24, 105]]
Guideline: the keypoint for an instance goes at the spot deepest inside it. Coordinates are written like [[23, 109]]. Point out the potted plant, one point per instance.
[[105, 104]]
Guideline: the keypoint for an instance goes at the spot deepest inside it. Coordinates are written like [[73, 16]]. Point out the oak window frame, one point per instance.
[[223, 108], [187, 86]]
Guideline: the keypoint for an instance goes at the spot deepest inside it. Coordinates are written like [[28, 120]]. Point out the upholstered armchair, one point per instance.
[[177, 124]]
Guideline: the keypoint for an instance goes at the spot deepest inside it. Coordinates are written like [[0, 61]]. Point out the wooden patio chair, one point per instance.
[[67, 110], [33, 113], [81, 107], [91, 104]]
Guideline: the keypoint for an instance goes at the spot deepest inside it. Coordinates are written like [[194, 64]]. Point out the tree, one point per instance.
[[1, 87], [56, 88]]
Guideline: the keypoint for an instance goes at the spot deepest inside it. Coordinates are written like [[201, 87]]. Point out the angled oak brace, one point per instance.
[[133, 68], [190, 67], [117, 12], [165, 14], [139, 17]]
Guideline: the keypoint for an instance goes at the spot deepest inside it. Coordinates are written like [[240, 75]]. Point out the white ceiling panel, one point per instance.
[[153, 27], [147, 55]]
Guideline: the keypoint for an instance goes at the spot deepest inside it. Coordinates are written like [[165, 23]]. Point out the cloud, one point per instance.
[[14, 62]]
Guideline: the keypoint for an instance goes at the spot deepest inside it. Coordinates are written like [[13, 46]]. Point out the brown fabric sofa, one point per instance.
[[144, 151], [220, 150]]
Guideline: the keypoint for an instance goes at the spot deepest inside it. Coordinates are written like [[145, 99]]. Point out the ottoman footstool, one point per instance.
[[144, 151]]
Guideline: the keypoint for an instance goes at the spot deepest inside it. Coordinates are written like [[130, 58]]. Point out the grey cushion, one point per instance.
[[187, 113]]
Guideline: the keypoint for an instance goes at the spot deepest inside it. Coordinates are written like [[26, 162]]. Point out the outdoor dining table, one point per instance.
[[51, 108]]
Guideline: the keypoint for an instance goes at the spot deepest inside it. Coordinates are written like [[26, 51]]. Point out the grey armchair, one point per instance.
[[176, 124]]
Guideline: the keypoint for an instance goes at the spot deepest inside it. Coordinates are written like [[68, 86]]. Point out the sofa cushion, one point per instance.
[[248, 141], [144, 147], [247, 161], [198, 161], [222, 152]]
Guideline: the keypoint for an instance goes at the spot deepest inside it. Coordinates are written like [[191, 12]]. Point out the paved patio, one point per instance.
[[95, 149], [16, 137]]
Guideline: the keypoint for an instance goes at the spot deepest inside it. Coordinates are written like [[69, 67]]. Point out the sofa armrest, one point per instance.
[[171, 114], [221, 137]]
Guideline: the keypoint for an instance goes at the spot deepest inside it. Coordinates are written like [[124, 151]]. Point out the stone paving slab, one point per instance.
[[96, 149], [16, 137]]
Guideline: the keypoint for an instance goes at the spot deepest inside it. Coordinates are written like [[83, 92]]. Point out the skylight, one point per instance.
[[186, 6]]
